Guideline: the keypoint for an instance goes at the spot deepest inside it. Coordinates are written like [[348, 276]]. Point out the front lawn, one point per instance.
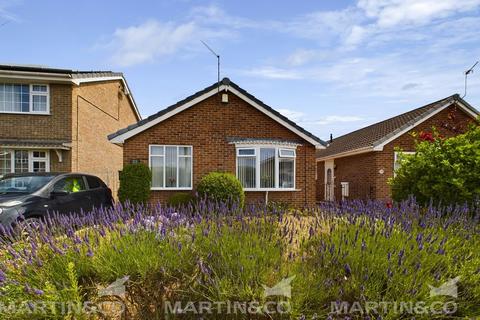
[[357, 260]]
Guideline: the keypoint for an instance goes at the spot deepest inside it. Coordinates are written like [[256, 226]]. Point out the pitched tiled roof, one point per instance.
[[242, 140], [225, 81], [73, 73], [95, 74], [68, 75], [377, 133], [44, 144]]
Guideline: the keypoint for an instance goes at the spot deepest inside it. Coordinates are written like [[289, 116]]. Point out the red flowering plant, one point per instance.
[[446, 170], [426, 136]]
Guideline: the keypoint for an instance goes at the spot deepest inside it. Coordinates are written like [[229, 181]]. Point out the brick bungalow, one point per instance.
[[224, 128], [58, 120], [359, 164]]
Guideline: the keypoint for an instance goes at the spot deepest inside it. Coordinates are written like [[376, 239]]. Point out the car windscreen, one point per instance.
[[23, 184]]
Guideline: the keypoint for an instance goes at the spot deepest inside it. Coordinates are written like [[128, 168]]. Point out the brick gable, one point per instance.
[[363, 171], [206, 127]]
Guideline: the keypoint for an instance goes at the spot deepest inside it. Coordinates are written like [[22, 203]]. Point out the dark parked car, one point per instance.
[[31, 196]]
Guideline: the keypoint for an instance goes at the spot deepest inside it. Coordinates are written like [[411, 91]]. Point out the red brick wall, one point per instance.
[[320, 182], [205, 126], [453, 116], [357, 170], [364, 169]]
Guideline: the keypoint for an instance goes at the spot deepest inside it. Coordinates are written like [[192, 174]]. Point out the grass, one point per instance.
[[348, 253]]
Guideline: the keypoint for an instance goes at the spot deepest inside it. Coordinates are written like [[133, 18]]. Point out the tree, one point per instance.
[[442, 170]]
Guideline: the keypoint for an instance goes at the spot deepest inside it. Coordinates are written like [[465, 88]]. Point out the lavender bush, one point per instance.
[[349, 252], [366, 253]]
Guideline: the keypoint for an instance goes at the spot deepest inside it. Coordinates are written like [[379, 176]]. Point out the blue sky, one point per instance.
[[332, 66]]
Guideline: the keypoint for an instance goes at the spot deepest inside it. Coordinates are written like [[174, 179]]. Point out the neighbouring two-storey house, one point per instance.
[[58, 120]]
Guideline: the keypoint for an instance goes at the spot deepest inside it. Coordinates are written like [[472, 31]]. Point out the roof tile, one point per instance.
[[378, 132]]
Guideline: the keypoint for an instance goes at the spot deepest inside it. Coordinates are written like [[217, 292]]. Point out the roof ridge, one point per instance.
[[454, 96], [227, 82], [47, 69]]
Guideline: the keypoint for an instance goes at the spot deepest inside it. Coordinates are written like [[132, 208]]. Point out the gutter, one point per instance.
[[35, 76], [67, 78], [346, 153]]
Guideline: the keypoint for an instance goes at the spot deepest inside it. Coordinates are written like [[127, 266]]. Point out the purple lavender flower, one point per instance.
[[38, 292], [348, 270], [364, 245], [89, 252], [389, 272]]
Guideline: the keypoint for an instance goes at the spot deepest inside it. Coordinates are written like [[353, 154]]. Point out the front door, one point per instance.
[[329, 181]]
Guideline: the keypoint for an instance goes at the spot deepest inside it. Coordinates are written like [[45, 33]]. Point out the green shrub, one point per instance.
[[443, 170], [135, 182], [221, 186], [180, 199]]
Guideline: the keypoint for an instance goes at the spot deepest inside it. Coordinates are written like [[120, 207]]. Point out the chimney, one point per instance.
[[331, 138]]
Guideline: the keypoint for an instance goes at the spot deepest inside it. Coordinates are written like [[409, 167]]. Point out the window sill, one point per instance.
[[170, 189], [271, 190], [27, 113]]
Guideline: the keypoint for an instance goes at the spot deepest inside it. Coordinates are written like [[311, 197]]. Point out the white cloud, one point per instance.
[[213, 14], [302, 119], [295, 116], [357, 24], [5, 14], [150, 40], [337, 118], [390, 13], [356, 36], [325, 26], [153, 39], [366, 23], [301, 57], [273, 73]]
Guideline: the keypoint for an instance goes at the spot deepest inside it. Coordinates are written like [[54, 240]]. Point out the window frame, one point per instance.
[[31, 158], [73, 176], [30, 101], [277, 166], [286, 156], [178, 156]]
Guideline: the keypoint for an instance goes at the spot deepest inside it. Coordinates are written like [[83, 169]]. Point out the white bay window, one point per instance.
[[266, 167], [171, 167]]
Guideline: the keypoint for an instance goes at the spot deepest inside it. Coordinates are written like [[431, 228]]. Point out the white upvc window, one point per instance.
[[24, 98], [171, 167], [397, 163], [20, 161], [266, 168]]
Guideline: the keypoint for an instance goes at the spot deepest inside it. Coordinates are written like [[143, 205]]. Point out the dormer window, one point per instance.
[[24, 98]]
